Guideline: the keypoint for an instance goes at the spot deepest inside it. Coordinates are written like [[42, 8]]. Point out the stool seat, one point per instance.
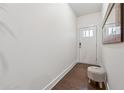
[[96, 74]]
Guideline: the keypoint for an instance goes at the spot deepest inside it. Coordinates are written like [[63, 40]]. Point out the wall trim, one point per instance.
[[59, 77], [108, 88]]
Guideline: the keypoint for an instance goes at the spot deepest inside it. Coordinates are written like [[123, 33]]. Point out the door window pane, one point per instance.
[[88, 33], [91, 33]]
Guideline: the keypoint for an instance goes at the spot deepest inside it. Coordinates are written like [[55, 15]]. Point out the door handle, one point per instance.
[[79, 44]]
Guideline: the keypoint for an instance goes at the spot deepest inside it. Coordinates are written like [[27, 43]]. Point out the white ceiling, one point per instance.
[[85, 8]]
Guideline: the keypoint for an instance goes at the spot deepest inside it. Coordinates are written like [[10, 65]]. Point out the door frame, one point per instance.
[[82, 27]]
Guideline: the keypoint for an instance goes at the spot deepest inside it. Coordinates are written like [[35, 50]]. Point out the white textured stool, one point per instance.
[[96, 74]]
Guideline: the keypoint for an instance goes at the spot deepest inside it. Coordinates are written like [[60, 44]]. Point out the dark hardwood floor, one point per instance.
[[77, 79]]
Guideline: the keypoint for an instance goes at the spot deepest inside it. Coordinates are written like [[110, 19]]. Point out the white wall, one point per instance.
[[37, 42], [113, 60], [104, 9], [93, 19]]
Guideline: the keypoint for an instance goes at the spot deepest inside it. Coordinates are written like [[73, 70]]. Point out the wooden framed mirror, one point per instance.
[[113, 25]]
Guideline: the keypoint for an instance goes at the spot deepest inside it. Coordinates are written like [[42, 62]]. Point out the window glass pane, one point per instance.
[[91, 33], [84, 33], [110, 31], [113, 30], [117, 29], [87, 33]]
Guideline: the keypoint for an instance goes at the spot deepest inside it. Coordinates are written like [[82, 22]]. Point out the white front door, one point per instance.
[[87, 45]]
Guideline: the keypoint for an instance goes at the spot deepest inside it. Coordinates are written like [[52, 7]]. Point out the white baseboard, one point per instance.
[[108, 88], [58, 78]]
